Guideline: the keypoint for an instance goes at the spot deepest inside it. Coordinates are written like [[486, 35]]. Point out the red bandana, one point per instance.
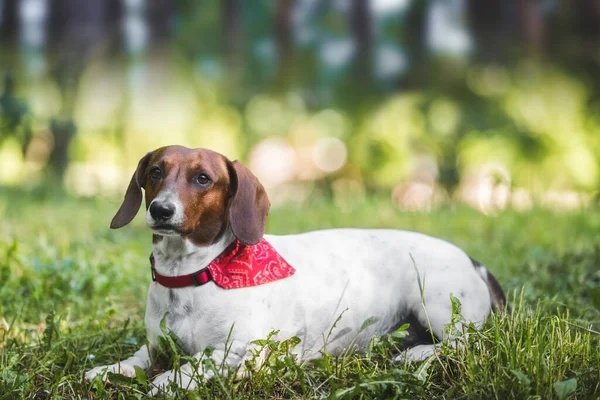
[[238, 266]]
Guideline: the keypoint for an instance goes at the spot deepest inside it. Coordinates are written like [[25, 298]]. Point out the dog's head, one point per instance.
[[197, 194]]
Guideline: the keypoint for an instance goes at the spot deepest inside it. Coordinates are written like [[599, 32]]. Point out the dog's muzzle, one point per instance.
[[161, 212], [165, 215]]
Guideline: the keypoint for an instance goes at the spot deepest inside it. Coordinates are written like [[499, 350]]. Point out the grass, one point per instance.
[[72, 296]]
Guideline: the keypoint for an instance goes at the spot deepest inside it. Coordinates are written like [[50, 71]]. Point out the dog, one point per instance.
[[220, 283]]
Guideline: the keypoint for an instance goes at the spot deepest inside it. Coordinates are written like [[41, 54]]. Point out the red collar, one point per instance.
[[238, 266]]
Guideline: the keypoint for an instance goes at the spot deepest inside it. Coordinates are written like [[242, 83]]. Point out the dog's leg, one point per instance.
[[187, 377], [417, 353], [141, 358], [434, 318]]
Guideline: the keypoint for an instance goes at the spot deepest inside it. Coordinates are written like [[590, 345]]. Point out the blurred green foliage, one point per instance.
[[228, 80]]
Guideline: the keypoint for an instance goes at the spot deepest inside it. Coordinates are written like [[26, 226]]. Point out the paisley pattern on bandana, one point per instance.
[[244, 266]]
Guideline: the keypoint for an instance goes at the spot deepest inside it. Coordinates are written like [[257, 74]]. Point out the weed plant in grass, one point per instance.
[[72, 296]]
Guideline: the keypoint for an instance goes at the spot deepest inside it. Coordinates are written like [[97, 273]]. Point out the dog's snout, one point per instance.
[[161, 211]]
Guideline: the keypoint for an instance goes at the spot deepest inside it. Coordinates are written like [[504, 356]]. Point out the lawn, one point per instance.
[[72, 296]]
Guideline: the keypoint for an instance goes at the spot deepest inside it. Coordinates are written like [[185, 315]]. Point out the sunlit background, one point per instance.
[[493, 103]]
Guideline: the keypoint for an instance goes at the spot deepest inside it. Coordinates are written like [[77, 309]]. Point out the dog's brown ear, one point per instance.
[[250, 205], [133, 195]]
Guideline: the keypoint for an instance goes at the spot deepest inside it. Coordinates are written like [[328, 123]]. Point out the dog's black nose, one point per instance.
[[161, 211]]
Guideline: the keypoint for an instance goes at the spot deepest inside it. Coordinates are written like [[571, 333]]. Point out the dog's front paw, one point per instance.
[[183, 378], [118, 368], [417, 353]]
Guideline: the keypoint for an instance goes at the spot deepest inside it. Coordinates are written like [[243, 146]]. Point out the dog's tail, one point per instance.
[[496, 293]]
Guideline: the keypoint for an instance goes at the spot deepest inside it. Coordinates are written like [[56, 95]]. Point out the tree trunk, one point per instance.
[[495, 28], [589, 18], [587, 29], [63, 131], [283, 41], [531, 26], [160, 15], [9, 34], [362, 32], [9, 24], [75, 29], [231, 33], [415, 33], [114, 20]]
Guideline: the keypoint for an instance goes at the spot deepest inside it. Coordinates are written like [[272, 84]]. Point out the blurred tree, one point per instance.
[[334, 57], [13, 111], [283, 43], [361, 25], [574, 39], [13, 116], [232, 52], [9, 33], [505, 30], [160, 15], [493, 30], [76, 28], [9, 24], [574, 30], [531, 26], [415, 34], [63, 131], [588, 28], [114, 16], [232, 32]]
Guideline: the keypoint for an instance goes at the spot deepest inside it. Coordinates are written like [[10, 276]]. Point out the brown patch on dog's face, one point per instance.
[[200, 179]]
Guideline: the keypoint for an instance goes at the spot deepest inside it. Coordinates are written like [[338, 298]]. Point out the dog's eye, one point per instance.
[[155, 174], [202, 180]]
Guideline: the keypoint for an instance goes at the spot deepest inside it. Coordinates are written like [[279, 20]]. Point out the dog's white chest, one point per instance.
[[181, 311]]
